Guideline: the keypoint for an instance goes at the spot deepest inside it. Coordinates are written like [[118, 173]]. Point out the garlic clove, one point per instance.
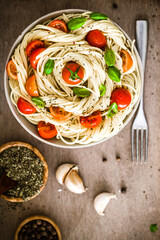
[[101, 201], [74, 182], [62, 171]]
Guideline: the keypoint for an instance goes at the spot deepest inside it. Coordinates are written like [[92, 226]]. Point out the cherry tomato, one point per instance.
[[33, 57], [25, 107], [46, 130], [59, 24], [122, 97], [96, 39], [33, 45], [59, 113], [126, 59], [66, 74], [12, 70], [31, 86], [91, 121]]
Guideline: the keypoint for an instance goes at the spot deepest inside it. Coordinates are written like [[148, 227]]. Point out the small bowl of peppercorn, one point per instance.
[[38, 227], [26, 166]]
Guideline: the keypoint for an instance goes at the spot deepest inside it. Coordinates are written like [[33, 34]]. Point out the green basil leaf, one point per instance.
[[81, 92], [110, 57], [153, 227], [102, 89], [38, 101], [98, 16], [114, 74], [113, 110], [76, 23], [48, 67]]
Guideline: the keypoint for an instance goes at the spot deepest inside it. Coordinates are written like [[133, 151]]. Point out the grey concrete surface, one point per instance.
[[130, 216]]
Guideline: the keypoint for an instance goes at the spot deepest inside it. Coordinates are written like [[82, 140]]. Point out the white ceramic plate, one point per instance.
[[22, 120]]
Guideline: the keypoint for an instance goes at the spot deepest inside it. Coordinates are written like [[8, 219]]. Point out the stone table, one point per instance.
[[128, 217]]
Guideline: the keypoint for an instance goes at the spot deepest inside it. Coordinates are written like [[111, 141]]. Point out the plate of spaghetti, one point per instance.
[[73, 78]]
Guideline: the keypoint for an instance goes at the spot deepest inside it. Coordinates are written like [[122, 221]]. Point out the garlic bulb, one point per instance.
[[101, 201], [74, 182], [62, 171]]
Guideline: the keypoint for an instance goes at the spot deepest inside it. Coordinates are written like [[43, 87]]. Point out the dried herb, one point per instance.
[[24, 166]]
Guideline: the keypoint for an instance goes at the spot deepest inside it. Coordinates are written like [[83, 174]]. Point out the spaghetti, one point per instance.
[[65, 47]]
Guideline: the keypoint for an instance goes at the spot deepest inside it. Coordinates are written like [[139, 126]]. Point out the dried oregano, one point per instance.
[[24, 166]]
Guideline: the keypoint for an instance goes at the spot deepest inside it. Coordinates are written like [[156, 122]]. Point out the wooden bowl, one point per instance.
[[37, 152], [37, 217]]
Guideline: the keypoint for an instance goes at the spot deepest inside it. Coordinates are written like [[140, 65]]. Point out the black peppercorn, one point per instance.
[[38, 229], [49, 227], [123, 189], [104, 159], [42, 228], [39, 222], [114, 5], [44, 223]]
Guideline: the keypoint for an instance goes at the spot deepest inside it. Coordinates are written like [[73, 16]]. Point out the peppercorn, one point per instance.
[[37, 229]]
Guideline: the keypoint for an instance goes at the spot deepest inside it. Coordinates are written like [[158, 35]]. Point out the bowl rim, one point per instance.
[[16, 114], [37, 217], [39, 154]]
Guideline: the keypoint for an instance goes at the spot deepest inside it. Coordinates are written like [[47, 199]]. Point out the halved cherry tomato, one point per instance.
[[33, 57], [96, 38], [59, 24], [122, 97], [67, 76], [12, 70], [46, 130], [33, 45], [59, 113], [31, 86], [91, 121], [127, 60], [25, 107]]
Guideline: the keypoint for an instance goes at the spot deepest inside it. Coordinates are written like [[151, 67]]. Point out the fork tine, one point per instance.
[[146, 146], [141, 145], [137, 144], [132, 145]]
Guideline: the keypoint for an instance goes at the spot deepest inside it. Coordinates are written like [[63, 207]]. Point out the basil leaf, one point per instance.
[[98, 16], [112, 110], [38, 101], [102, 89], [76, 23], [48, 67], [110, 57], [81, 92], [114, 74], [153, 227]]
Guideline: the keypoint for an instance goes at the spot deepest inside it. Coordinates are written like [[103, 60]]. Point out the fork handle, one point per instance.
[[141, 39]]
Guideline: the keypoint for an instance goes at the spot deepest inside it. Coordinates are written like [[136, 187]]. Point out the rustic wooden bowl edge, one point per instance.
[[36, 217]]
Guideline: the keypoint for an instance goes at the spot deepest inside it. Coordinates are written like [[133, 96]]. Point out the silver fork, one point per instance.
[[140, 126]]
